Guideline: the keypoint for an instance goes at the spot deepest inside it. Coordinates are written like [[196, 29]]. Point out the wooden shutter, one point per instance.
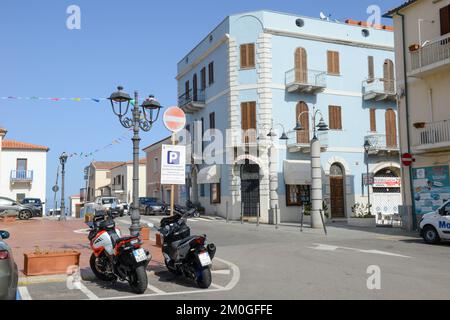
[[194, 87], [388, 75], [302, 136], [445, 20], [335, 117], [301, 66], [186, 88], [391, 129], [244, 61], [333, 62], [373, 120], [211, 72], [371, 73], [248, 55], [203, 78], [248, 120], [212, 120]]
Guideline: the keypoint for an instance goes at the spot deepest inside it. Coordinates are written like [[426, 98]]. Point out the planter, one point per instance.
[[51, 263], [362, 222], [145, 233], [414, 47], [158, 240], [419, 125]]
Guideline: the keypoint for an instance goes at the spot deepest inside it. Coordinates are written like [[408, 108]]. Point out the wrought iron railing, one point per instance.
[[191, 96], [306, 77], [382, 142], [433, 51], [379, 85], [305, 140], [21, 175]]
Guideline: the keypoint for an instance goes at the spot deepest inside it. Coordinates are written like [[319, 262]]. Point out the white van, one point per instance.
[[435, 226]]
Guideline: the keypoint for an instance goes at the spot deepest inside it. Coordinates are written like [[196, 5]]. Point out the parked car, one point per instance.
[[35, 202], [110, 204], [152, 206], [23, 211], [9, 274]]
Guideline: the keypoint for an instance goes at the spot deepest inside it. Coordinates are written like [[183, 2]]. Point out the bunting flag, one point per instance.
[[54, 99]]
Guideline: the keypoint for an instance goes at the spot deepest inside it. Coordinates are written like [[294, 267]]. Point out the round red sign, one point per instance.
[[174, 119], [407, 159]]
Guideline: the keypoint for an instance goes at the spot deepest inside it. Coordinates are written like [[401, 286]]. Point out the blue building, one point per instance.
[[268, 71]]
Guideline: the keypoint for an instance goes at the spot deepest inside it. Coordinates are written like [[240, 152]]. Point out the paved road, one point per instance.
[[265, 263]]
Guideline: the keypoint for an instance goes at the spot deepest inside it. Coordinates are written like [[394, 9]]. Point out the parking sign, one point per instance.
[[173, 164]]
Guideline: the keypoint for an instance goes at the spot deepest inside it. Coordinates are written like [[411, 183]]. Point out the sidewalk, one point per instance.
[[59, 235]]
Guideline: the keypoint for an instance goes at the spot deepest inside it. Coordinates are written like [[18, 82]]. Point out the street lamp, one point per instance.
[[367, 147], [272, 133], [316, 167], [63, 160], [142, 118]]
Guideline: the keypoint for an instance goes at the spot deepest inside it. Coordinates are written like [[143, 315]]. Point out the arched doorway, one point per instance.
[[391, 128], [388, 76], [194, 88], [301, 66], [250, 197], [337, 201], [302, 109]]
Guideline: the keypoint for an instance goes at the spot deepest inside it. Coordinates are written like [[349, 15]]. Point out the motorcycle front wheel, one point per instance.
[[204, 278], [138, 280], [99, 273]]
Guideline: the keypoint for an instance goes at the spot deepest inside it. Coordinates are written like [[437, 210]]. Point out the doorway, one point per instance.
[[337, 193], [250, 190]]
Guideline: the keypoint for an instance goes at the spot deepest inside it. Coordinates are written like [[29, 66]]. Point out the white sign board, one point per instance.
[[173, 164]]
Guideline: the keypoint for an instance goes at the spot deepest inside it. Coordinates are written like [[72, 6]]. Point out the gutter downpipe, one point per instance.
[[405, 76]]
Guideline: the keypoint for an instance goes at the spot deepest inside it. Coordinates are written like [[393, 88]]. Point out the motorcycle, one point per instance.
[[184, 254], [116, 257], [180, 209]]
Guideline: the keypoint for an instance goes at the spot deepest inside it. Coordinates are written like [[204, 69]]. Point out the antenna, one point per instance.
[[322, 15]]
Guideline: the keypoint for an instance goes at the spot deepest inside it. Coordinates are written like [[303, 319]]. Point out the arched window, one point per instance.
[[336, 170], [388, 76], [301, 66], [302, 112]]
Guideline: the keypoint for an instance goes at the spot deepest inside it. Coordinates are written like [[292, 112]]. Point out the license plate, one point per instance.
[[204, 258], [140, 255]]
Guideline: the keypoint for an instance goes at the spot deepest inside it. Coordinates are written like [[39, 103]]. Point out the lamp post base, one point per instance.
[[135, 228]]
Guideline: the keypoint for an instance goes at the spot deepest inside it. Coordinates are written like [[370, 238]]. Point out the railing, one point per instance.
[[191, 96], [21, 175], [313, 78], [379, 85], [432, 133], [433, 51], [382, 142], [321, 135]]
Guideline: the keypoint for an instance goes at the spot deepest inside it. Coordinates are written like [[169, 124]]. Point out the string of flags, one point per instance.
[[54, 99]]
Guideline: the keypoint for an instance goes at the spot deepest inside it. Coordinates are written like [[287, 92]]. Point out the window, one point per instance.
[[212, 120], [247, 56], [186, 88], [21, 165], [203, 133], [155, 164], [20, 197], [248, 121], [335, 117], [108, 175], [215, 192], [445, 20], [211, 73], [302, 114], [371, 73], [373, 120], [391, 128], [298, 195], [203, 78], [333, 62], [202, 190], [118, 179]]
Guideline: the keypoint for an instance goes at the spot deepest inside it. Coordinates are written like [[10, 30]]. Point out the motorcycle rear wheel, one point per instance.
[[98, 273], [138, 280], [204, 278]]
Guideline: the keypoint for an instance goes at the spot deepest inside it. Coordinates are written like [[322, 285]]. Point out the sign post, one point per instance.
[[173, 169]]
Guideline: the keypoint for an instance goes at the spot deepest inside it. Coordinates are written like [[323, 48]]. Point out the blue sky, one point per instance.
[[135, 43]]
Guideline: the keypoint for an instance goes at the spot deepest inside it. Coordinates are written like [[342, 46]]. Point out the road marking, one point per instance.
[[226, 271], [87, 292], [24, 293], [325, 247], [216, 286], [155, 289]]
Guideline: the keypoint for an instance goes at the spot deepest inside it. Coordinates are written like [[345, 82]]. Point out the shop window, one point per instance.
[[298, 195], [215, 193]]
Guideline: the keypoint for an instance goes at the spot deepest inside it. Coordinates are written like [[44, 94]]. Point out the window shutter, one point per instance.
[[330, 61], [373, 120], [335, 117], [248, 119], [371, 74], [391, 128], [186, 88], [301, 65], [203, 78], [211, 72], [333, 62], [244, 62], [445, 20], [212, 120], [302, 136], [339, 111], [251, 55], [336, 64]]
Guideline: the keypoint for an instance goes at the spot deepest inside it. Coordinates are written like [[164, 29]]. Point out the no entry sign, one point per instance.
[[407, 159], [174, 119]]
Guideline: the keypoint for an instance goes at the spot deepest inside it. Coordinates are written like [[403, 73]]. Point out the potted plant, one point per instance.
[[361, 216], [414, 47], [419, 125], [46, 262]]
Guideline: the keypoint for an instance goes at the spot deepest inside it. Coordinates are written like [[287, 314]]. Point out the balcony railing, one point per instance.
[[379, 89], [21, 175], [433, 135], [309, 81], [192, 100], [304, 144], [434, 53], [381, 142]]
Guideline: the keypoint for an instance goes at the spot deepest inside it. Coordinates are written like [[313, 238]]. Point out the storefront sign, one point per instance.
[[387, 182], [431, 188]]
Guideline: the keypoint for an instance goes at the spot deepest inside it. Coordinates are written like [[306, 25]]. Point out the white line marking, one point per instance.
[[155, 289], [217, 286], [24, 293], [325, 247], [87, 292], [226, 271]]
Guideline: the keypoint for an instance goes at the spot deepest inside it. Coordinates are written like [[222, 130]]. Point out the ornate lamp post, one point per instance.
[[367, 147], [63, 160], [142, 118], [316, 167]]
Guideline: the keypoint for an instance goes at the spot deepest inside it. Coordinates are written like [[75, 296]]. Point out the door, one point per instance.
[[302, 115], [388, 76], [301, 66], [194, 88], [250, 190], [391, 129], [337, 191]]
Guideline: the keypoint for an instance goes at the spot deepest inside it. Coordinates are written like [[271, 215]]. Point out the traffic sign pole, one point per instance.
[[172, 187]]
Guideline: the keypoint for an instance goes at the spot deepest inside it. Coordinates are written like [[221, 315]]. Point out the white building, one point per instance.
[[23, 169], [121, 184], [75, 206]]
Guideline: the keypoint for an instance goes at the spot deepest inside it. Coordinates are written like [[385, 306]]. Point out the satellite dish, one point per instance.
[[322, 15]]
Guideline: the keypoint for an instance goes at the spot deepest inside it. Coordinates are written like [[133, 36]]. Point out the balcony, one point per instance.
[[18, 176], [309, 81], [192, 101], [379, 90], [431, 57], [381, 144], [294, 145], [433, 136]]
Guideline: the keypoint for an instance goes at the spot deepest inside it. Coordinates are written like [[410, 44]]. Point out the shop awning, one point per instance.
[[210, 174], [297, 172]]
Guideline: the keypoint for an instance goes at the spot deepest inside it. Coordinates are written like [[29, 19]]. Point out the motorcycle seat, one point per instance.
[[178, 243], [127, 238]]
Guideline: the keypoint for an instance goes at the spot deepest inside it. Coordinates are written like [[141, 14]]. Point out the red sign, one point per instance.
[[387, 182], [407, 159], [174, 119]]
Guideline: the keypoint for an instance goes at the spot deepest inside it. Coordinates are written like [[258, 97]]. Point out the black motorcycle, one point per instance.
[[178, 209], [184, 254]]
